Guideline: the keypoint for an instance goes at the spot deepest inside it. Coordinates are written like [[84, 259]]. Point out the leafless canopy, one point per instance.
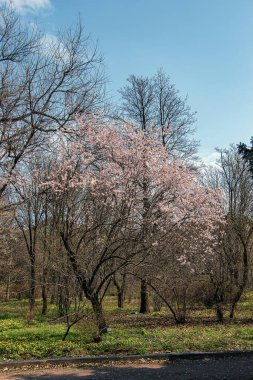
[[155, 103], [45, 81]]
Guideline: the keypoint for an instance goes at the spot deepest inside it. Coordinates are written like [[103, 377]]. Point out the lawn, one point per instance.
[[130, 332]]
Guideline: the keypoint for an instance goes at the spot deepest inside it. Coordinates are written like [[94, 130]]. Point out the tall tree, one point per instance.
[[230, 273], [247, 153], [237, 183], [156, 103], [30, 215]]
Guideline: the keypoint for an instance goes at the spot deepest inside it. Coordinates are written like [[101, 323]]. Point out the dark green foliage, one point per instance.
[[247, 153]]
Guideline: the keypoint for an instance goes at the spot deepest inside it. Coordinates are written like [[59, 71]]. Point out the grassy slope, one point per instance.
[[131, 333]]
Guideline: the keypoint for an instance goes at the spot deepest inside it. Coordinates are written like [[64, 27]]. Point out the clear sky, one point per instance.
[[206, 46]]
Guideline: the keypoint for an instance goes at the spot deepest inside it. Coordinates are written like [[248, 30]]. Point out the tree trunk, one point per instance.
[[7, 291], [32, 285], [44, 299], [180, 320], [54, 289], [98, 311], [120, 292], [60, 301], [157, 302], [219, 313], [66, 333], [120, 298], [242, 285], [219, 297], [44, 292], [144, 306], [80, 295]]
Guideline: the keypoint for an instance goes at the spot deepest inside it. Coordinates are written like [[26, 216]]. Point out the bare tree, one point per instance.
[[30, 214], [175, 118], [155, 103], [138, 100], [44, 83], [237, 183], [229, 273]]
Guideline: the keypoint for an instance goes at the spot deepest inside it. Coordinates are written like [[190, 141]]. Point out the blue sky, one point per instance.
[[206, 46]]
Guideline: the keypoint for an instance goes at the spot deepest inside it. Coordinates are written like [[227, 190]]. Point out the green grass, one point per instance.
[[131, 333]]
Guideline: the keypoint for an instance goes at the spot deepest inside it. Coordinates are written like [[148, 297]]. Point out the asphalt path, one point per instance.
[[222, 369]]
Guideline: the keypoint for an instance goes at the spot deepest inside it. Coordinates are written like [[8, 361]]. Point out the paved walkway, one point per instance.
[[219, 369]]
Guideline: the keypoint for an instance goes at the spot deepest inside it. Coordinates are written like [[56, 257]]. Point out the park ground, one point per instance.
[[222, 369], [130, 332]]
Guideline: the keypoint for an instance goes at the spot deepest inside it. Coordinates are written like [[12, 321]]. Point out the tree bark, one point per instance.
[[219, 298], [242, 284], [219, 313], [32, 284], [60, 299], [157, 302], [144, 305], [80, 295], [7, 291], [120, 292], [98, 311], [44, 299], [120, 298], [44, 292]]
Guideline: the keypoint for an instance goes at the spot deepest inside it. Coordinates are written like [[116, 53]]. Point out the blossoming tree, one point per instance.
[[119, 193]]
